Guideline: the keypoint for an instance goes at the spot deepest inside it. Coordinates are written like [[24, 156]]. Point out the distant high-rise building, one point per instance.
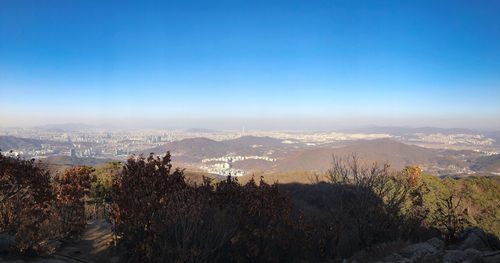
[[242, 131], [72, 153]]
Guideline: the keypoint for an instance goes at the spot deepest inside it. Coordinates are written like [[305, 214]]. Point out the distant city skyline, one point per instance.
[[259, 64]]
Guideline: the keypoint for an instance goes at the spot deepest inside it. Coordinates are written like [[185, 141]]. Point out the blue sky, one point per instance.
[[231, 63]]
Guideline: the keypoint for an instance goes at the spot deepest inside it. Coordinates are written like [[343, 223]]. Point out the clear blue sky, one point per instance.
[[236, 62]]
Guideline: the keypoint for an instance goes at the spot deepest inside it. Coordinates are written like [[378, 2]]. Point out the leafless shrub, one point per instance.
[[382, 196], [25, 202]]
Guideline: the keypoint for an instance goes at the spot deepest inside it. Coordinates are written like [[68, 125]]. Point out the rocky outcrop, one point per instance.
[[477, 239], [395, 257], [491, 256], [458, 256], [473, 238], [473, 246], [7, 242], [419, 250], [437, 243]]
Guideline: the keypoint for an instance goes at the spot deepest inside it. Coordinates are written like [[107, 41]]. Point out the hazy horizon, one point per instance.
[[238, 125], [312, 65]]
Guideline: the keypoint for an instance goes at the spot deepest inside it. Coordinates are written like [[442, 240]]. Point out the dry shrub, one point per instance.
[[367, 205], [34, 209], [389, 203], [263, 215], [141, 194], [25, 201], [70, 189], [162, 218]]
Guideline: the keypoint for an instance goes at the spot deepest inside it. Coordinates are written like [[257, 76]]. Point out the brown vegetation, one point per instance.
[[163, 217], [33, 209], [70, 189], [160, 216], [25, 202]]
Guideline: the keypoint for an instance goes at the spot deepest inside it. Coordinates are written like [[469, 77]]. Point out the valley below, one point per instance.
[[442, 152]]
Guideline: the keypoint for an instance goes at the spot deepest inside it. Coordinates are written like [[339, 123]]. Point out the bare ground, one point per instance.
[[94, 246]]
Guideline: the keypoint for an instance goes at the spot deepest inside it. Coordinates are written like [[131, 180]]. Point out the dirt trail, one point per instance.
[[93, 247], [95, 240]]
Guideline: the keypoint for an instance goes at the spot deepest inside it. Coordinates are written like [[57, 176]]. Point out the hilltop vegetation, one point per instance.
[[162, 215], [60, 163], [36, 207], [480, 196]]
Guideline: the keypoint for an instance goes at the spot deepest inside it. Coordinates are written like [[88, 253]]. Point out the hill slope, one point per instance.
[[60, 163], [381, 151], [487, 164], [196, 149], [8, 143]]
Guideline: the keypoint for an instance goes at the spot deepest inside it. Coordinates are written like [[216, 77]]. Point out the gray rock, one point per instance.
[[454, 256], [52, 260], [418, 250], [462, 256], [491, 256], [7, 242], [464, 234], [473, 256], [437, 243], [473, 238], [473, 241], [395, 257], [114, 259]]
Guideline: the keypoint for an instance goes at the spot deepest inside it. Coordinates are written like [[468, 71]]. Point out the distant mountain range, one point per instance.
[[65, 127], [200, 130], [397, 130]]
